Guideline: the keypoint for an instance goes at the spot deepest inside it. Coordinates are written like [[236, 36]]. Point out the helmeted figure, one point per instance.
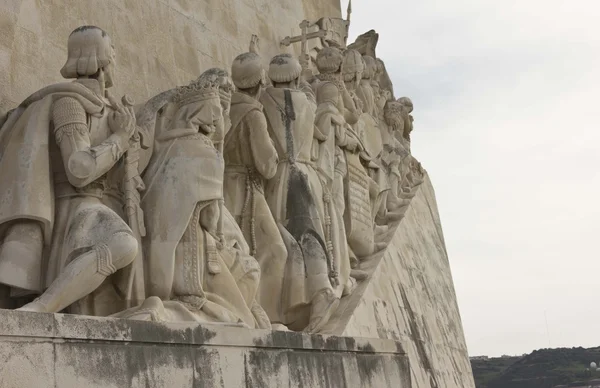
[[250, 160], [295, 197], [75, 139]]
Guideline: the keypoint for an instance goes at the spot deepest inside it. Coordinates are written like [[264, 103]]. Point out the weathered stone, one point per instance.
[[410, 298], [80, 351], [155, 26], [321, 216]]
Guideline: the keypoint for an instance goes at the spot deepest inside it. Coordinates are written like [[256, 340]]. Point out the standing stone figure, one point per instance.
[[351, 186], [250, 159], [193, 274], [331, 162], [74, 138], [413, 172], [294, 196], [397, 153], [372, 135]]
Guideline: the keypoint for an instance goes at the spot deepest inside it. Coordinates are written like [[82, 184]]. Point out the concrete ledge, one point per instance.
[[56, 350]]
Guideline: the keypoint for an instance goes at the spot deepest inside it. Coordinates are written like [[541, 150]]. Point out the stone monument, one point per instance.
[[262, 225]]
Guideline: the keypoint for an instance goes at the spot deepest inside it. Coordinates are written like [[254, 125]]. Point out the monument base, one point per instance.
[[64, 351]]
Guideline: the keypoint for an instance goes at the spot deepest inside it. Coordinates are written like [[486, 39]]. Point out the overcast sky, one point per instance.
[[507, 123]]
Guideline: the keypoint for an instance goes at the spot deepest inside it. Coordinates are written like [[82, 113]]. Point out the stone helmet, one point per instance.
[[353, 65], [329, 60], [247, 71], [284, 68], [89, 51], [370, 67]]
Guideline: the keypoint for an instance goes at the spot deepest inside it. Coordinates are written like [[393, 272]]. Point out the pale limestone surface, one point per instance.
[[54, 350], [159, 43], [160, 48], [411, 299]]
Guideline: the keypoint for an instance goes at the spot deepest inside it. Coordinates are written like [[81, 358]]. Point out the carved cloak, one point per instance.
[[27, 189]]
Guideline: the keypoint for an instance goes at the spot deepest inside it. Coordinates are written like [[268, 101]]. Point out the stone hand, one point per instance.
[[352, 145], [122, 120], [209, 218], [338, 120]]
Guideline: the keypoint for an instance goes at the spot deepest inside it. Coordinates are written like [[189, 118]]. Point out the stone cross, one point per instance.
[[304, 37]]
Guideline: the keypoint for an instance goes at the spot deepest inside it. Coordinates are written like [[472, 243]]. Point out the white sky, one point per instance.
[[507, 124]]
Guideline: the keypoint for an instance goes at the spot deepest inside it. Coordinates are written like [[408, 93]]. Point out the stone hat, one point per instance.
[[247, 71], [284, 68], [89, 49], [353, 62], [329, 60]]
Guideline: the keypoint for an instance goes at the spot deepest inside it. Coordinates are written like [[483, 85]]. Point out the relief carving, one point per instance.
[[224, 200]]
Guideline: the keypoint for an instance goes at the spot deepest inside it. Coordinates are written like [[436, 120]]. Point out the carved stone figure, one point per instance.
[[364, 89], [407, 108], [194, 274], [250, 159], [412, 170], [294, 196], [397, 153], [79, 202], [331, 135], [362, 190], [372, 134]]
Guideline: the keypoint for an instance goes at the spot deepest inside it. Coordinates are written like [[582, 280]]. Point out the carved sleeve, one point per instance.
[[328, 97], [83, 163], [343, 138], [262, 148], [352, 113]]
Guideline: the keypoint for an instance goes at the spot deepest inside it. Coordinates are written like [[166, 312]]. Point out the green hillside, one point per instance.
[[544, 368]]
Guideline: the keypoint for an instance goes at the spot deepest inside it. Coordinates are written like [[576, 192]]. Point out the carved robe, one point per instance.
[[184, 184], [250, 159], [330, 131], [295, 197], [72, 219], [352, 186], [373, 142]]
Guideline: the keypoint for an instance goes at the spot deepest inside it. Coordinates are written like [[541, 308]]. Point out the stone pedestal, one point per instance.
[[63, 351]]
